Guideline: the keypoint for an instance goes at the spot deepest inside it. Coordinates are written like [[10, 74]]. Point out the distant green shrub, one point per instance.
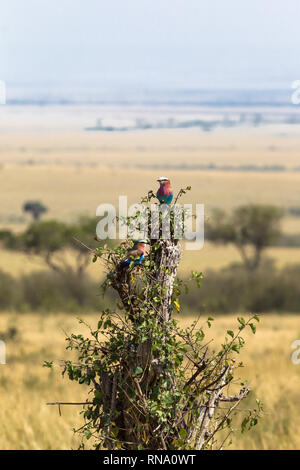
[[8, 291], [233, 290], [55, 292], [49, 291], [228, 290], [288, 240]]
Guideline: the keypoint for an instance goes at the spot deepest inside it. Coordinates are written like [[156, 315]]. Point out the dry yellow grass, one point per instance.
[[69, 191], [72, 173], [25, 387], [273, 378], [218, 256], [266, 145], [26, 421], [291, 225], [18, 263]]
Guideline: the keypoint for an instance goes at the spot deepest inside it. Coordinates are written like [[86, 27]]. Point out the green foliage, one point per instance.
[[46, 237], [8, 239], [50, 239], [231, 289], [152, 384], [7, 291], [224, 291], [35, 208], [164, 406], [255, 226], [49, 291]]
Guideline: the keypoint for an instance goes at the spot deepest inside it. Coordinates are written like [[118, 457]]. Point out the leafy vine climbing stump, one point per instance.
[[152, 384]]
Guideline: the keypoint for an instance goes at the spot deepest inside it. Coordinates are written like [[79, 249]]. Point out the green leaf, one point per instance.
[[183, 433], [253, 422], [98, 394], [138, 370], [253, 328], [48, 364], [230, 333], [235, 348]]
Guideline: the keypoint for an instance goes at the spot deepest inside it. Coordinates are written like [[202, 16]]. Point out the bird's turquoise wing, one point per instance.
[[165, 199]]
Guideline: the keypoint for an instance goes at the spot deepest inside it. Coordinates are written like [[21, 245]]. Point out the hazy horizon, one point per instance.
[[141, 45]]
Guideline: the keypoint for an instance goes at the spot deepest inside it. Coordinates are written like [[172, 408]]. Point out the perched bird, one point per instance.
[[164, 193], [135, 254]]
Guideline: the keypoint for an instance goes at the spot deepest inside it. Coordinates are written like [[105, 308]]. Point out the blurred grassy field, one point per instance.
[[25, 387], [241, 145], [72, 173], [69, 191], [72, 190]]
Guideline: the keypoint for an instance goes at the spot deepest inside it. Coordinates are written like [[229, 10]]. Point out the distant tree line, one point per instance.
[[67, 251], [50, 239], [229, 290], [255, 284], [250, 228], [35, 208]]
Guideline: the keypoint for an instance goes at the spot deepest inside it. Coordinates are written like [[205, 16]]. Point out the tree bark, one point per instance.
[[167, 259]]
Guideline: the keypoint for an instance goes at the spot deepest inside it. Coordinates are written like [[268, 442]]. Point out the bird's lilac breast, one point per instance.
[[164, 191]]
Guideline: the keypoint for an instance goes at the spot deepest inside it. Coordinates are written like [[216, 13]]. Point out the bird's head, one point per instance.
[[140, 243], [163, 180]]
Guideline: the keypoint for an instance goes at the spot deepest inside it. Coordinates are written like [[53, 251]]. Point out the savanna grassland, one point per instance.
[[72, 173], [69, 192], [26, 422], [75, 172]]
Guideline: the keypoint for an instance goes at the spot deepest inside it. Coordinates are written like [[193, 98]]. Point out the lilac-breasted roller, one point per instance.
[[135, 254], [164, 193]]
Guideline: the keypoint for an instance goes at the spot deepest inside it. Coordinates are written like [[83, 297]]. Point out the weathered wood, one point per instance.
[[167, 259]]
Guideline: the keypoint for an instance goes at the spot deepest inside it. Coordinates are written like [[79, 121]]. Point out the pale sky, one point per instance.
[[181, 43]]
